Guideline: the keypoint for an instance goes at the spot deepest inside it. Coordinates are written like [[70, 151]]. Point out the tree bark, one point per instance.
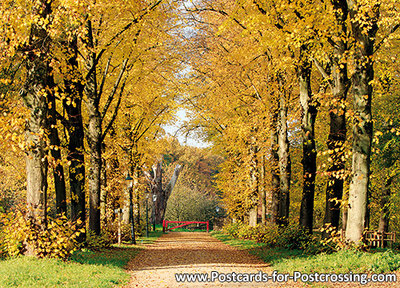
[[137, 175], [74, 90], [275, 179], [363, 32], [383, 226], [168, 190], [58, 169], [38, 79], [254, 183], [309, 113], [103, 195], [263, 194], [337, 133], [284, 157], [94, 134], [155, 181], [158, 191]]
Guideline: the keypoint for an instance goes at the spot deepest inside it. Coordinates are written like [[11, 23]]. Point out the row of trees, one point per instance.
[[278, 85], [90, 80], [275, 86]]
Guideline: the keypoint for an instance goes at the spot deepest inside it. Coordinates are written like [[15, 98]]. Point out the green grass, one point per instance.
[[32, 272], [238, 243], [187, 230], [153, 236], [288, 261], [343, 262], [97, 269]]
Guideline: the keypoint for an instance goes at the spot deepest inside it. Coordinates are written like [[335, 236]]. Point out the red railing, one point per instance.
[[183, 223]]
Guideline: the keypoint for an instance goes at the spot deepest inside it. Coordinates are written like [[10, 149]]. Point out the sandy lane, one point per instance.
[[191, 252], [197, 252]]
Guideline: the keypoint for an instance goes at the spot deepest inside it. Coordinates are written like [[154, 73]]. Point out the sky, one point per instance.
[[191, 139]]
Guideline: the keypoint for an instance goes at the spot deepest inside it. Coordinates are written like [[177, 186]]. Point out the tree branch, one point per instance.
[[394, 28], [323, 72], [115, 111], [104, 76], [115, 88]]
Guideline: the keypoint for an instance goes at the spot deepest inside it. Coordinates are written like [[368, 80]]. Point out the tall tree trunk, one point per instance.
[[77, 161], [158, 191], [137, 176], [337, 134], [253, 216], [364, 29], [308, 113], [254, 182], [94, 134], [160, 205], [38, 79], [168, 190], [263, 196], [284, 156], [74, 90], [58, 169], [344, 218], [103, 195], [275, 181]]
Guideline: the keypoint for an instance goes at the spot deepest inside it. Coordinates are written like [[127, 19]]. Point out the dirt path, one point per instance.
[[196, 252], [191, 252]]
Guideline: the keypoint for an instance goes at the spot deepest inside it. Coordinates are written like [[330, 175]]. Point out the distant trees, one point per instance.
[[194, 197]]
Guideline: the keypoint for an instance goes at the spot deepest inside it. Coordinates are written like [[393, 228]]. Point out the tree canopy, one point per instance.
[[297, 99]]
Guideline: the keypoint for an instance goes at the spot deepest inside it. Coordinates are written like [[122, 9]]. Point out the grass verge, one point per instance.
[[288, 261], [97, 269]]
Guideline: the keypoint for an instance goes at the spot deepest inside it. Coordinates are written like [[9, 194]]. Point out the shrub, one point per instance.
[[233, 229], [98, 242], [56, 238], [247, 232], [268, 234], [3, 245], [291, 237], [335, 241], [14, 228]]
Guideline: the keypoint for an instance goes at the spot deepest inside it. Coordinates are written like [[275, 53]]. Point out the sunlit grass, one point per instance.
[[343, 262], [238, 243], [97, 269], [32, 272], [285, 260]]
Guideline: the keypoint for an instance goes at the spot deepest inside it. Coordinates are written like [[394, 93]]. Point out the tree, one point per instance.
[[364, 28], [284, 156], [309, 113], [156, 184], [337, 78], [37, 84]]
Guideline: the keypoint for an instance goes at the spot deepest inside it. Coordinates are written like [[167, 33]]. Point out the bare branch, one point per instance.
[[394, 28], [115, 111], [115, 88], [104, 76]]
